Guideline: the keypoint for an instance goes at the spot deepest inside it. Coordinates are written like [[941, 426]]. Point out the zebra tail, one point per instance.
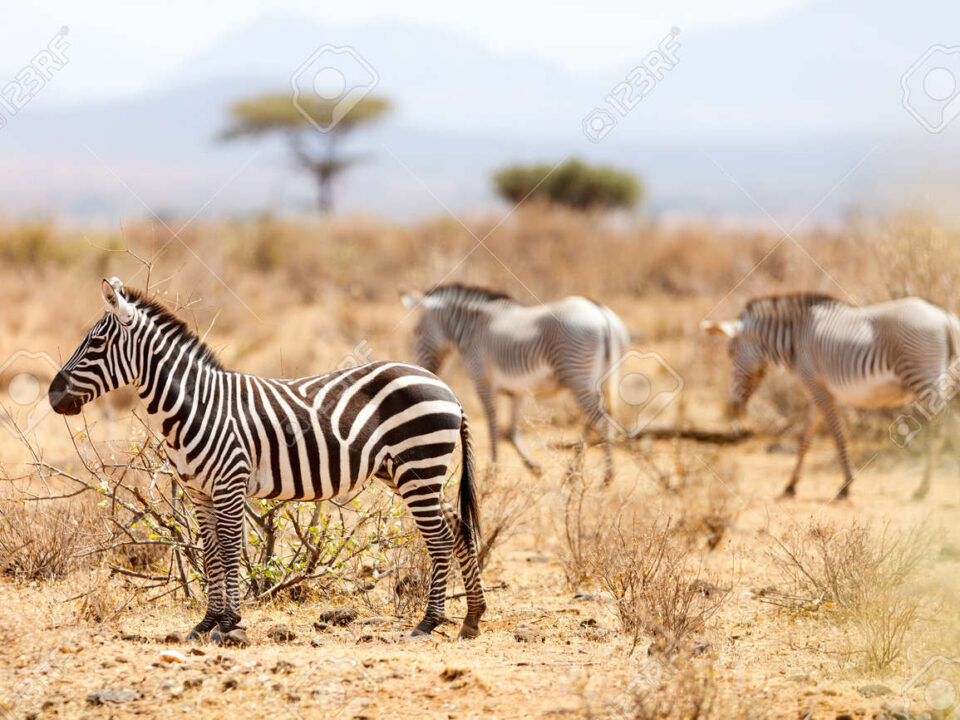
[[469, 505]]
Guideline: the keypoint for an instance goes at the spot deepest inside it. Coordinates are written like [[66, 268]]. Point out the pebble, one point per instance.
[[176, 637], [527, 633], [172, 656], [317, 640], [337, 616], [172, 689], [193, 682], [282, 634], [875, 690], [237, 638], [113, 696]]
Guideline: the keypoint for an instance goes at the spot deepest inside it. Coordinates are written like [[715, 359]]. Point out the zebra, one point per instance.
[[231, 435], [514, 349], [874, 356]]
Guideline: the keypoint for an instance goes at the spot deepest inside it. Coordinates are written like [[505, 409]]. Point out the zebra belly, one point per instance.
[[540, 380], [878, 391]]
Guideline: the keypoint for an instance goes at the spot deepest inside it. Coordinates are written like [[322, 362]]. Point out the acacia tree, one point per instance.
[[316, 151], [572, 183]]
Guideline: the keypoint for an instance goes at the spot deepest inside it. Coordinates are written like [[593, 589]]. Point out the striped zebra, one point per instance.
[[231, 435], [518, 350], [876, 356]]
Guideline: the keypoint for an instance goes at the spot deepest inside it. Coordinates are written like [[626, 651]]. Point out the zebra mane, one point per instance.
[[162, 315], [786, 306], [466, 294]]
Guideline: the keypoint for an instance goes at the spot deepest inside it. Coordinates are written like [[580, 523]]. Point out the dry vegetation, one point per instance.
[[681, 591]]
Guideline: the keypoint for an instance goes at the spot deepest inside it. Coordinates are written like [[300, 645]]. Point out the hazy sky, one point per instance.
[[127, 46]]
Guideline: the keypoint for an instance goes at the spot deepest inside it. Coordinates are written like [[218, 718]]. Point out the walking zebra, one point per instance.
[[514, 349], [876, 356], [232, 435]]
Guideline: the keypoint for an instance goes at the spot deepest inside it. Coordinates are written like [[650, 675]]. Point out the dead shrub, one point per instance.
[[866, 580], [41, 543], [659, 589]]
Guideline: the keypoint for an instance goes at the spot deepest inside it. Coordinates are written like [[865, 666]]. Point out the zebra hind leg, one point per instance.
[[422, 499], [464, 547]]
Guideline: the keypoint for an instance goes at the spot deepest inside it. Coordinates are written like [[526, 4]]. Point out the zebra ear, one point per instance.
[[115, 301], [411, 300], [728, 328]]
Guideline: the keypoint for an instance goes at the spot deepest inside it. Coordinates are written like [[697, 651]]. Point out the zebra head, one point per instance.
[[749, 362], [433, 341], [103, 361]]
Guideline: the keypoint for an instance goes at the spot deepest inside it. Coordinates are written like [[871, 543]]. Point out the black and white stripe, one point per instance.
[[232, 435], [876, 356], [514, 349]]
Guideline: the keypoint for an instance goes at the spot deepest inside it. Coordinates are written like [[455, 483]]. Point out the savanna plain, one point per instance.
[[683, 589]]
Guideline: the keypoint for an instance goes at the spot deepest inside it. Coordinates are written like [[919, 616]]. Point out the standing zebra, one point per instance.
[[232, 435], [877, 356], [514, 349]]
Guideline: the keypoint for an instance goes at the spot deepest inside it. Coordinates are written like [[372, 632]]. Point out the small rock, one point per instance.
[[584, 596], [172, 689], [844, 716], [172, 656], [588, 623], [281, 634], [875, 690], [337, 616], [176, 637], [283, 666], [317, 640], [450, 674], [197, 651], [113, 696], [527, 633], [193, 682], [133, 637], [121, 659], [231, 684], [237, 638]]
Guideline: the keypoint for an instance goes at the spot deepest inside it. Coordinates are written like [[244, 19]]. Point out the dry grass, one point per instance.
[[663, 559], [870, 580]]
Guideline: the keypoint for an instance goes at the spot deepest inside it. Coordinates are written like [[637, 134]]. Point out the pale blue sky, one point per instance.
[[125, 47]]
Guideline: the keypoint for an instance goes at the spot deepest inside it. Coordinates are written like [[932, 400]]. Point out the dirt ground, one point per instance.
[[547, 650]]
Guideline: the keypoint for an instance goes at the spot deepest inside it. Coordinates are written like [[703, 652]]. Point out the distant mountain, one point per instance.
[[774, 114]]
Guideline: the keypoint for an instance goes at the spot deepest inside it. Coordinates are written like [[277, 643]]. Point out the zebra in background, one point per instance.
[[231, 435], [876, 356], [518, 350]]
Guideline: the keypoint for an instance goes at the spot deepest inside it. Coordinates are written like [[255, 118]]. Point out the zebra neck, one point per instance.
[[179, 387]]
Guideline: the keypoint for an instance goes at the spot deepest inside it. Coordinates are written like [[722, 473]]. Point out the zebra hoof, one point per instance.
[[194, 637], [469, 631], [216, 638]]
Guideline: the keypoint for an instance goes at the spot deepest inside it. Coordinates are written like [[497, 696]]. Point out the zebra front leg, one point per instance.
[[828, 409], [229, 511], [813, 422], [514, 435], [465, 548], [212, 566], [422, 499]]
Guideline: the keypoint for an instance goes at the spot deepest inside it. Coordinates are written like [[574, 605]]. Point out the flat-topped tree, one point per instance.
[[314, 128]]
